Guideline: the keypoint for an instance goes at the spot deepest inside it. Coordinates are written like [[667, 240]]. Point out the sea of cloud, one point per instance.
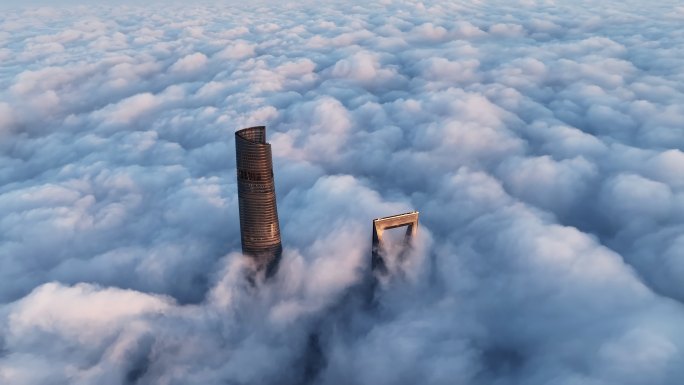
[[541, 142]]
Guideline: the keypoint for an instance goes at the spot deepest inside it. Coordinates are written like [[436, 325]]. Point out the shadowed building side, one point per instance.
[[259, 228], [410, 220]]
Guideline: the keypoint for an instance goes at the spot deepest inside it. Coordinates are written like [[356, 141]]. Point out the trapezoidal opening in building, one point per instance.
[[380, 248]]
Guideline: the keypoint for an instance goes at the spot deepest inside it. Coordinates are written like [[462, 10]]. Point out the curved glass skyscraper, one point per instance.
[[259, 228]]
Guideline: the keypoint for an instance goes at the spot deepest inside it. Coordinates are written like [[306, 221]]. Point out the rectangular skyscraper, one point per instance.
[[410, 220], [259, 228]]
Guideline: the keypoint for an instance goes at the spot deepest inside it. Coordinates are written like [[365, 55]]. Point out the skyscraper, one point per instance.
[[410, 220], [259, 228]]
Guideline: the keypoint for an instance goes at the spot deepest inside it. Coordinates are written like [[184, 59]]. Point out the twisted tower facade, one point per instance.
[[259, 228]]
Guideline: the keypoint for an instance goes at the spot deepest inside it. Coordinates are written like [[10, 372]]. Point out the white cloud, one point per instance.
[[237, 50], [542, 145], [83, 313], [190, 63], [363, 67]]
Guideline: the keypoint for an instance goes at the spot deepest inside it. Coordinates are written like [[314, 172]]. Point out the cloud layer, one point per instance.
[[542, 144]]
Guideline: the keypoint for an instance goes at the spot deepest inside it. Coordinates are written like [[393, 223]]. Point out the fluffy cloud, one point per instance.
[[542, 145]]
